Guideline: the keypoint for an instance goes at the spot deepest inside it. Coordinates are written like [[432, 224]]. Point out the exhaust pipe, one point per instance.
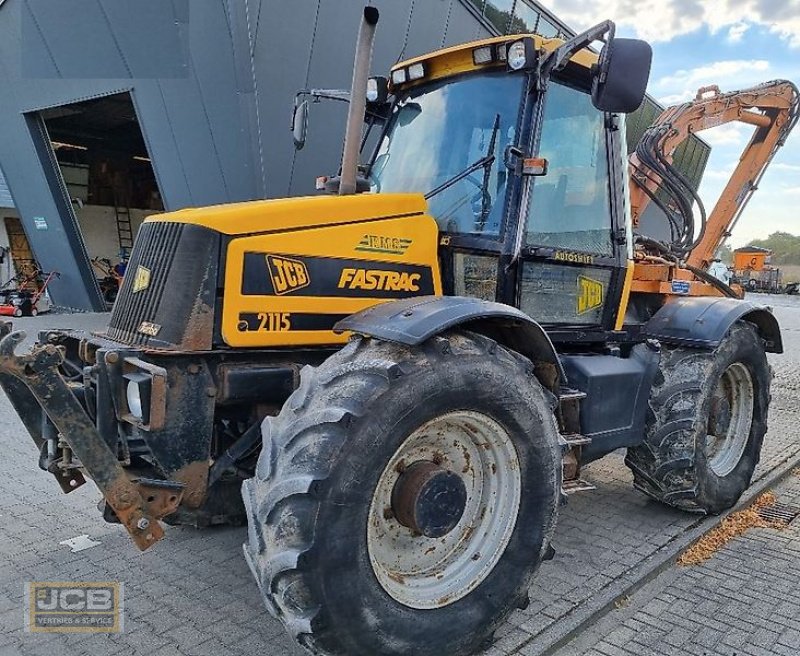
[[358, 101]]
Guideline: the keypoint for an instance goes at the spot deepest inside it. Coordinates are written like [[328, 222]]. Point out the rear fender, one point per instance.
[[412, 321], [703, 322]]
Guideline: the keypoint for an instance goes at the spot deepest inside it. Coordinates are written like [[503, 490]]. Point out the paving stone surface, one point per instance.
[[744, 601], [192, 593]]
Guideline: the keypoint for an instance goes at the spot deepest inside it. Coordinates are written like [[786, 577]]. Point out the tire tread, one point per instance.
[[663, 465], [299, 445]]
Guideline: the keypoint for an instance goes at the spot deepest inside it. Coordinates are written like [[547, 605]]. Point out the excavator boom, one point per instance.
[[773, 108]]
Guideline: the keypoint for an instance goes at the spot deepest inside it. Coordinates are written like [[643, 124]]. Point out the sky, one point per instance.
[[734, 44]]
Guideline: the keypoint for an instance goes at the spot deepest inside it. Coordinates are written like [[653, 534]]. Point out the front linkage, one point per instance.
[[70, 444]]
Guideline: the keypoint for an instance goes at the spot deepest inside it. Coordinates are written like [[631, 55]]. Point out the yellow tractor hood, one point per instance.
[[296, 213]]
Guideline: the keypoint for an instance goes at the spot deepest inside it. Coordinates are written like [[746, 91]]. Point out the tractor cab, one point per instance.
[[518, 145], [517, 174]]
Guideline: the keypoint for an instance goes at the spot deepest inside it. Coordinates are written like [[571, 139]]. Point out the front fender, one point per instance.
[[702, 322], [412, 321]]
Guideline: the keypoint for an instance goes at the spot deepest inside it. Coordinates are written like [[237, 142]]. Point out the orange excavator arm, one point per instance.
[[771, 107]]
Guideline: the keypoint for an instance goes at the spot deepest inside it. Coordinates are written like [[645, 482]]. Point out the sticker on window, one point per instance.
[[590, 294]]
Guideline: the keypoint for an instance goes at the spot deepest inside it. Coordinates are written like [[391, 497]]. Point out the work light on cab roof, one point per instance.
[[521, 54]]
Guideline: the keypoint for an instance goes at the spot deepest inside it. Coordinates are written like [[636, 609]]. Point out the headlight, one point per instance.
[[134, 396], [139, 393], [517, 56], [143, 390]]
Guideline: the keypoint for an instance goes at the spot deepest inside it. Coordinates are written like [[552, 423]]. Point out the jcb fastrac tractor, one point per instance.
[[403, 388]]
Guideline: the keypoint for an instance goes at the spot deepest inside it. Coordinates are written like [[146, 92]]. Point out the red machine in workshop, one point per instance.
[[29, 298]]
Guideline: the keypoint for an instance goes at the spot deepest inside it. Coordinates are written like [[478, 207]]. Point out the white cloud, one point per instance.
[[683, 84], [723, 174], [657, 20], [737, 31], [733, 134], [781, 166]]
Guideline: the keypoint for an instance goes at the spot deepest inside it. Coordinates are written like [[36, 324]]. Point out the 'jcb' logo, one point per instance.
[[287, 275], [590, 294]]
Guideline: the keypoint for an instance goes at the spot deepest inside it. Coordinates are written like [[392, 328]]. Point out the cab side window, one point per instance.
[[570, 207]]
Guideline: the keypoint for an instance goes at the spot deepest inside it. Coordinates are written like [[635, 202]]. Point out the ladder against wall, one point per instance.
[[122, 213]]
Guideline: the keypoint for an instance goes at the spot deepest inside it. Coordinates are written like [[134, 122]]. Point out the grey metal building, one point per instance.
[[114, 109]]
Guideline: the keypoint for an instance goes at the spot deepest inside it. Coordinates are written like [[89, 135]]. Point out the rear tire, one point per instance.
[[318, 540], [706, 423]]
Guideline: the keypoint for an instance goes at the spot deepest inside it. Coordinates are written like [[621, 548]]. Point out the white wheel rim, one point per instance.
[[425, 573], [735, 392]]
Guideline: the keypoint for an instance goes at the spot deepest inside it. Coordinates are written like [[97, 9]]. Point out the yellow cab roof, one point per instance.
[[458, 59]]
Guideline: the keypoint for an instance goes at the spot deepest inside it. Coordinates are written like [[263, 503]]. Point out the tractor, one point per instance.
[[396, 383]]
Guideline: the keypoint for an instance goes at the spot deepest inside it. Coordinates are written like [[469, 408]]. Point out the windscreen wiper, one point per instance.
[[484, 163], [486, 198]]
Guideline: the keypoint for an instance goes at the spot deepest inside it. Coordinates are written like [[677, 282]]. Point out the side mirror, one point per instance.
[[300, 124], [621, 77]]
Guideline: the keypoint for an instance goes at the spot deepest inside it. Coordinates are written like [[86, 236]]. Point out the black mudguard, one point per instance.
[[703, 322], [412, 321]]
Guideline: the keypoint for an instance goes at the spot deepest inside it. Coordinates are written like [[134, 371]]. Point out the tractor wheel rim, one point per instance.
[[425, 573], [730, 420]]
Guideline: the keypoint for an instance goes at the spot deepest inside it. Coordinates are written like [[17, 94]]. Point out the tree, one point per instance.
[[725, 253], [785, 247]]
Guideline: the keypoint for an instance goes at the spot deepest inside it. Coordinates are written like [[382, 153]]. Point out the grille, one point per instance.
[[780, 513], [182, 264], [156, 247]]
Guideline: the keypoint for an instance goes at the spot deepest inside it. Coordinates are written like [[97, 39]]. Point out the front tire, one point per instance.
[[404, 497], [706, 423]]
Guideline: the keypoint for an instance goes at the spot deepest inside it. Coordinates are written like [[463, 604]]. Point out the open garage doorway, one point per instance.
[[108, 176]]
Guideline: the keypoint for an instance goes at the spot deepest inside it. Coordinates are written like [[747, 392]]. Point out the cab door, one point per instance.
[[574, 252]]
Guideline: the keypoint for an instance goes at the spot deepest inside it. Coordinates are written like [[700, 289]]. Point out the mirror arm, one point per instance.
[[323, 94], [559, 58]]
